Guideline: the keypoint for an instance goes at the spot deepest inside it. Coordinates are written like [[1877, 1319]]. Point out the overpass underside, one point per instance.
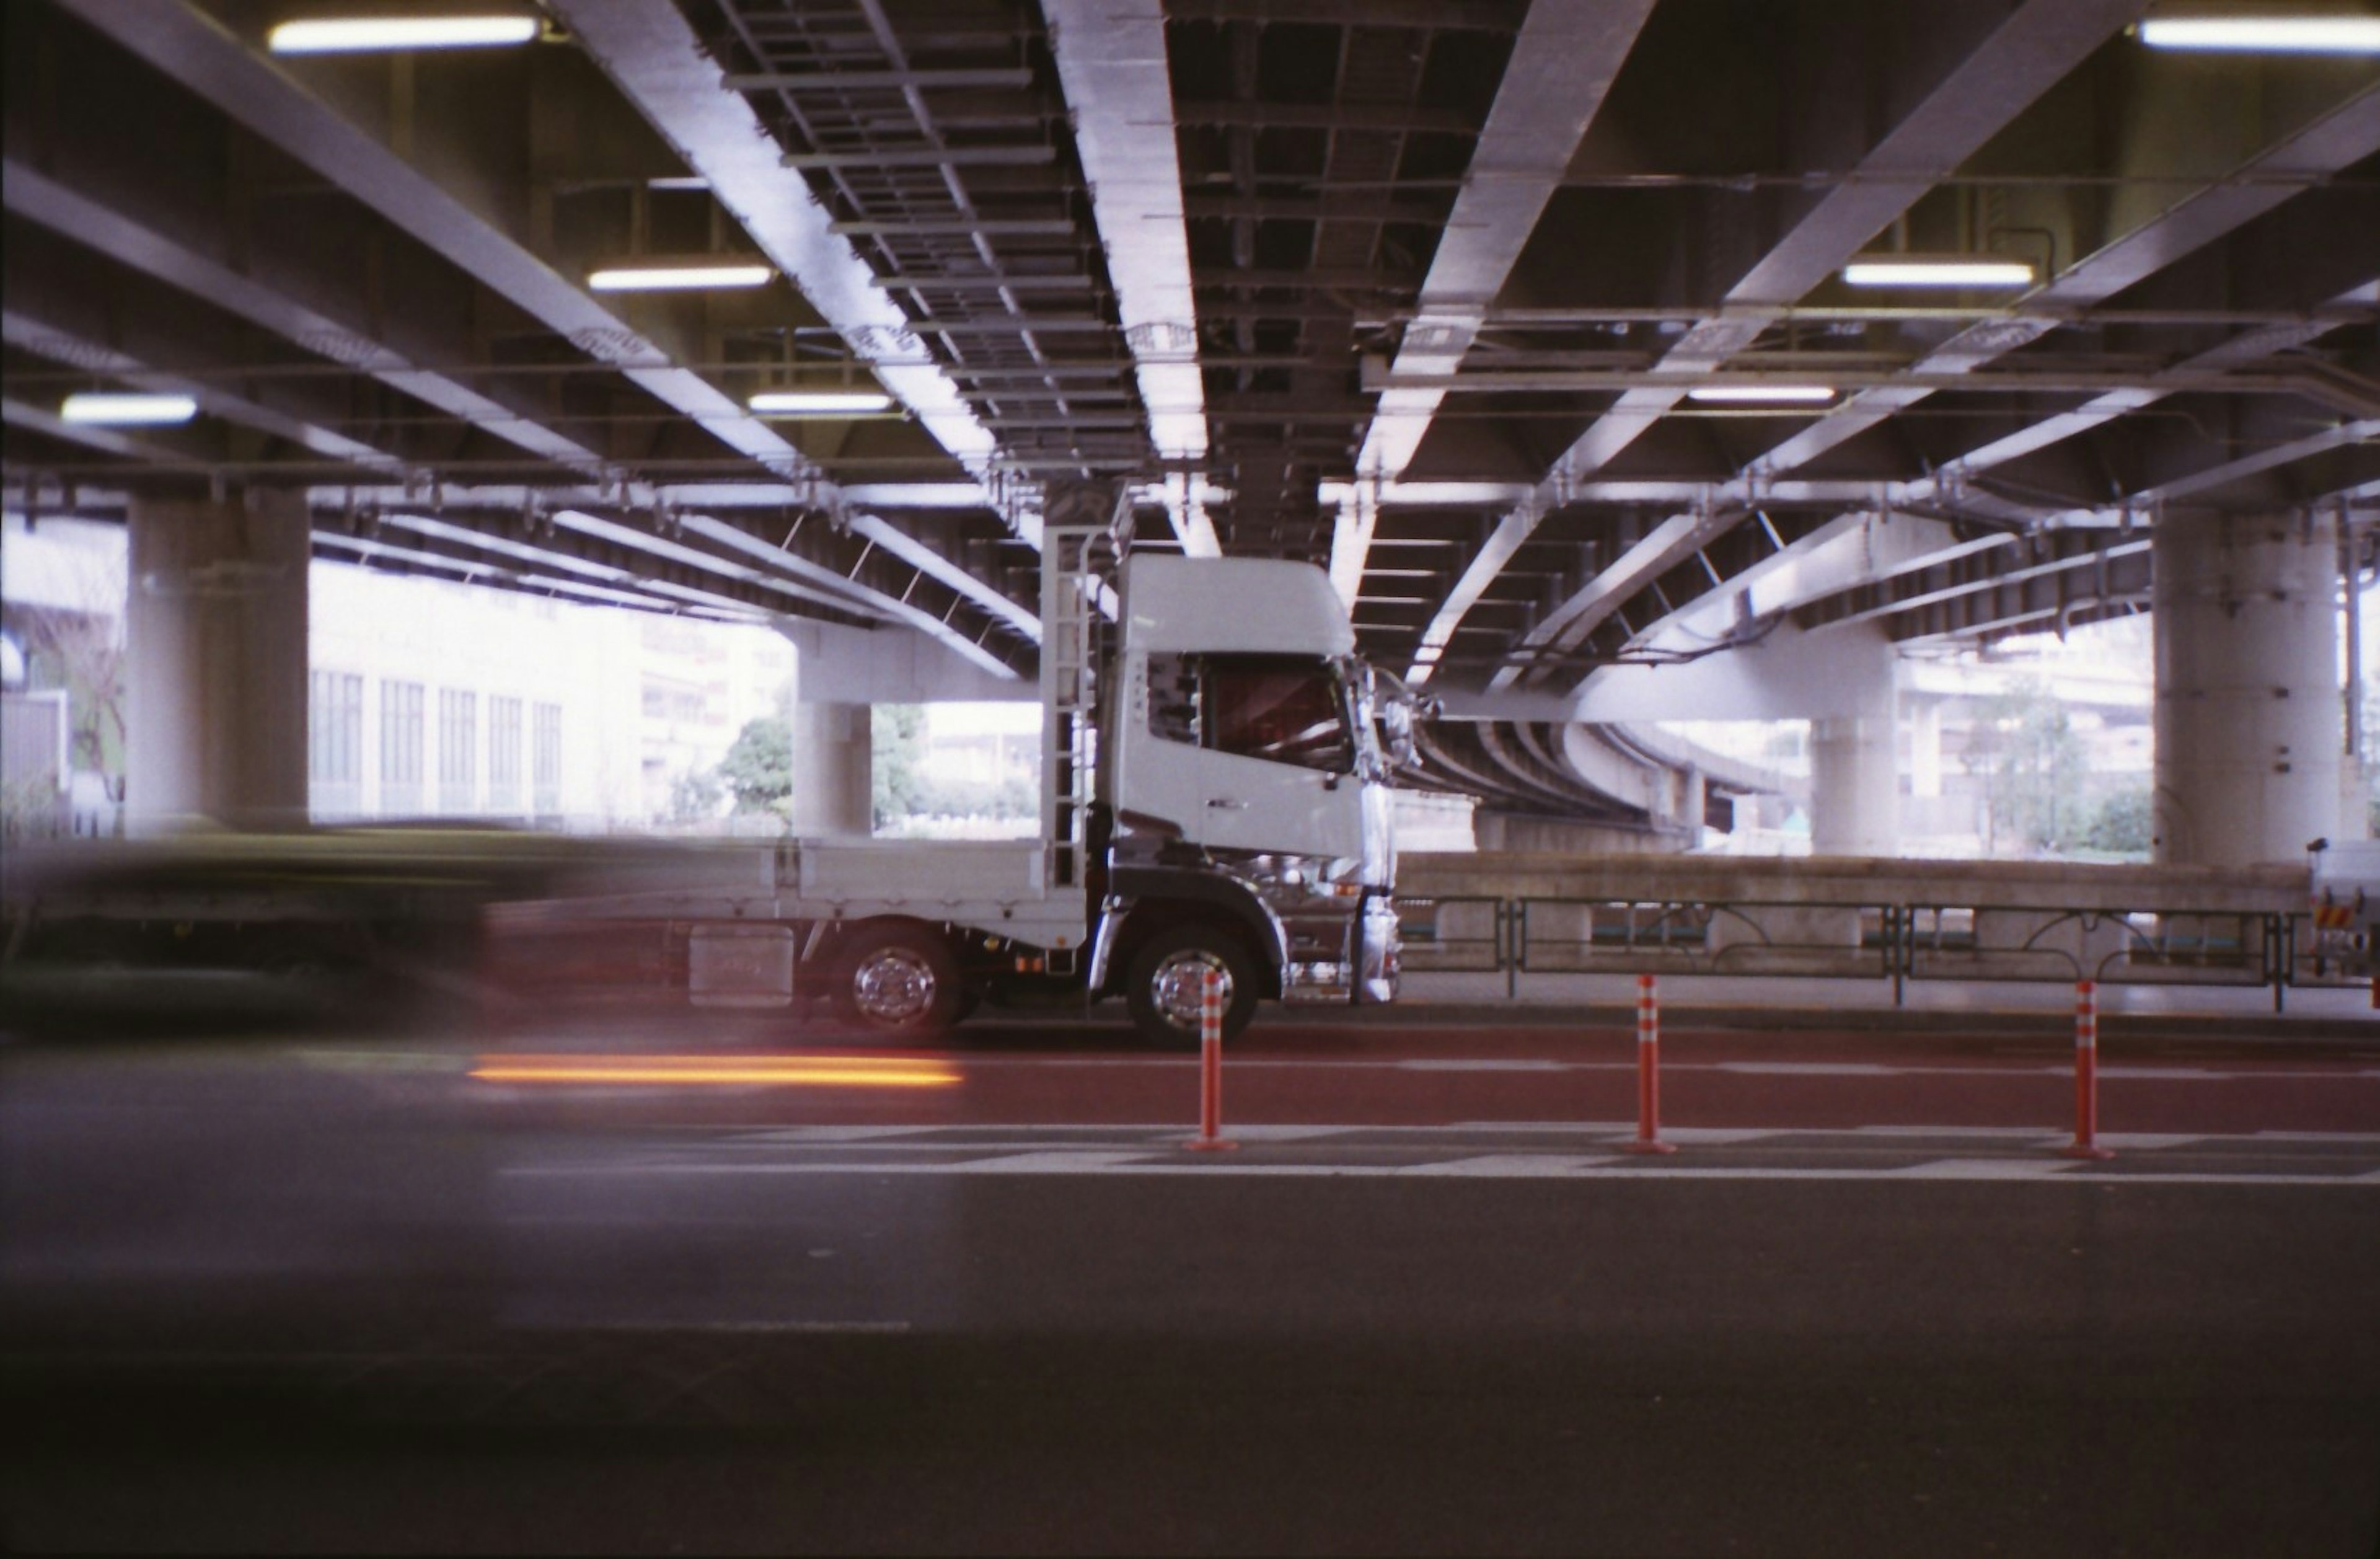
[[1537, 322]]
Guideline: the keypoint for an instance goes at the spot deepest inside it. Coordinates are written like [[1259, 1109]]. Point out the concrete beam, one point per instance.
[[1563, 62], [2038, 44], [1110, 56], [33, 195]]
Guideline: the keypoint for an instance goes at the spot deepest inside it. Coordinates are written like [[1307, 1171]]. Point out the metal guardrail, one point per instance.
[[2041, 943]]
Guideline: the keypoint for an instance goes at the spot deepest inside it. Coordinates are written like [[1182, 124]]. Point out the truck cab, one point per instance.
[[1245, 772]]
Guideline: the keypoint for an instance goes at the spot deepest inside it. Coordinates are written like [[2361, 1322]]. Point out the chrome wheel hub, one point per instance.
[[894, 986], [1176, 989]]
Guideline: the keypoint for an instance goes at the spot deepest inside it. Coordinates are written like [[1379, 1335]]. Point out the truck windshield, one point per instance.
[[1285, 709]]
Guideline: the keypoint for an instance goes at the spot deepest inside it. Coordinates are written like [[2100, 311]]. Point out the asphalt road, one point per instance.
[[312, 1294]]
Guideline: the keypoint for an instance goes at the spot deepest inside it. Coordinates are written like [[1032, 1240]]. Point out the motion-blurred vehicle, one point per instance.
[[1216, 801], [1216, 769]]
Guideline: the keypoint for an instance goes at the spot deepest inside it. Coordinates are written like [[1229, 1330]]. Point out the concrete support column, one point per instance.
[[215, 662], [1855, 786], [2248, 715], [832, 772], [1926, 749]]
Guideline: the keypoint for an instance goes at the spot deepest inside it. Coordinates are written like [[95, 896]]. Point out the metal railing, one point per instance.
[[2211, 945]]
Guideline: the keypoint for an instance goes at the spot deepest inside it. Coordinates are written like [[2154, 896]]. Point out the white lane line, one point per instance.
[[2316, 1135], [1279, 1133], [1489, 1065], [1513, 1166], [1584, 1128], [1755, 1069], [1710, 1136], [1019, 1137], [2014, 1133], [1812, 1069], [1521, 1167], [1982, 1169], [805, 1328], [1072, 1160], [835, 1133]]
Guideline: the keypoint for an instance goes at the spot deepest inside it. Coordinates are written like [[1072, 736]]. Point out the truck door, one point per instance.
[[1276, 760]]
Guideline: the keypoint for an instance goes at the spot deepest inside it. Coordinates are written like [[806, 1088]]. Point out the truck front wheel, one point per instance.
[[1166, 978]]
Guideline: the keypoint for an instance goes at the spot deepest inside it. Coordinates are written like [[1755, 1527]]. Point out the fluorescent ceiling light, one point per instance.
[[680, 276], [819, 403], [2301, 34], [1760, 394], [129, 410], [355, 34], [1938, 270]]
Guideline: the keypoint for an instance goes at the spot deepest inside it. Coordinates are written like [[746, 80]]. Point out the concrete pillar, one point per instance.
[[2247, 717], [215, 662], [1925, 748], [1855, 786], [833, 778]]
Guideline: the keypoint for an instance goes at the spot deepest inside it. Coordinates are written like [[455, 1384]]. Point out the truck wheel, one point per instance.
[[1163, 988], [899, 980]]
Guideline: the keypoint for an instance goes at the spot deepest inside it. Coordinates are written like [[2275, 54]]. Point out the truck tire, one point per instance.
[[1162, 984], [898, 980]]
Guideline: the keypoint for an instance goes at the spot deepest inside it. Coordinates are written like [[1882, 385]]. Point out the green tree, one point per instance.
[[2120, 824], [2031, 763], [760, 767], [896, 734], [695, 795]]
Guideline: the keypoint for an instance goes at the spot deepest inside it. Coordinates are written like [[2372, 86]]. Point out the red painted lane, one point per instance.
[[1407, 1076]]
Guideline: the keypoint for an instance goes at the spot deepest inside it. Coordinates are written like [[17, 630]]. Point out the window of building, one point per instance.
[[545, 758], [458, 750], [400, 748], [664, 701], [503, 755], [334, 743]]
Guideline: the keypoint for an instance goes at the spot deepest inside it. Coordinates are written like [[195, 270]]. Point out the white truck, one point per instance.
[[1216, 767]]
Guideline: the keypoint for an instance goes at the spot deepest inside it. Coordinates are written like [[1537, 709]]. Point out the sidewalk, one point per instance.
[[1932, 1006]]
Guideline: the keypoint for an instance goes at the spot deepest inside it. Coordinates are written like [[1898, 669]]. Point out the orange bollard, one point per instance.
[[1211, 1068], [1648, 1071], [2086, 1076]]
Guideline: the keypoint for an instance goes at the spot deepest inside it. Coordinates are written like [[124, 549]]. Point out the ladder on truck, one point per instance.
[[1077, 524]]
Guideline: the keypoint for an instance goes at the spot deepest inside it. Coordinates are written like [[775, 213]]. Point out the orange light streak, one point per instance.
[[829, 1071]]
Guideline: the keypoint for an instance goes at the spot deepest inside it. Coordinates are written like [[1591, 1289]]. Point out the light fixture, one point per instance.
[[819, 403], [1937, 270], [123, 410], [678, 275], [1758, 395], [360, 35], [2253, 34]]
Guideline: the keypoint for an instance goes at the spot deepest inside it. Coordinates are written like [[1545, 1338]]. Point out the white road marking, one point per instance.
[[1147, 1163], [1709, 1136], [2026, 1133], [1280, 1133], [1812, 1069], [1589, 1128], [806, 1328], [1512, 1167], [1982, 1169], [1066, 1162], [1489, 1065], [1011, 1137], [1672, 1062], [835, 1133]]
